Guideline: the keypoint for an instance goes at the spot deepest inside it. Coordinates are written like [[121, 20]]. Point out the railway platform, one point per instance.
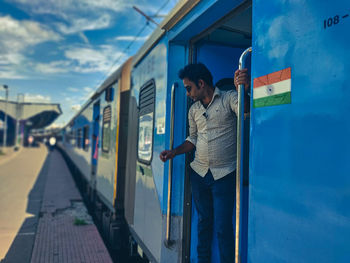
[[56, 225]]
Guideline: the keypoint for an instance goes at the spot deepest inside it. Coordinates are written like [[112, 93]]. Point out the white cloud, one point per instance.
[[85, 24], [36, 98], [67, 17], [88, 89], [78, 97], [8, 73], [23, 54], [73, 89], [16, 38], [81, 15], [100, 59], [76, 15], [76, 107], [85, 55], [88, 93], [53, 67], [130, 38], [17, 35], [85, 59], [10, 58], [64, 7]]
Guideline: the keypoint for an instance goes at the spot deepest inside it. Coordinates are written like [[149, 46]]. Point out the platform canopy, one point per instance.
[[36, 115]]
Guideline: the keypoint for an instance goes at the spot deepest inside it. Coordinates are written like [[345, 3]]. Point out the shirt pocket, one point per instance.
[[221, 117]]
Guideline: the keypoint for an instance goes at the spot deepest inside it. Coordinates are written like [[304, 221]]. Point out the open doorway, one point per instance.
[[219, 47]]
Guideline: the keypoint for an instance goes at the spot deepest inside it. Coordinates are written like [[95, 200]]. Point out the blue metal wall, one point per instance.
[[299, 168], [222, 61]]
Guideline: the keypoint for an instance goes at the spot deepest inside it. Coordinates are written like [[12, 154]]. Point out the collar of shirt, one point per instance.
[[216, 93]]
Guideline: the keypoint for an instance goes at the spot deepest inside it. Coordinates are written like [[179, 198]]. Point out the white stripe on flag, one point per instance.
[[272, 89]]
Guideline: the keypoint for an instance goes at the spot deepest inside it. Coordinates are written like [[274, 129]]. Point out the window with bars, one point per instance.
[[146, 122], [106, 129], [86, 139], [79, 137]]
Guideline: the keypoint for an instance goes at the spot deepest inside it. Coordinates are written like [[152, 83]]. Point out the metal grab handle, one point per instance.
[[240, 144], [168, 241]]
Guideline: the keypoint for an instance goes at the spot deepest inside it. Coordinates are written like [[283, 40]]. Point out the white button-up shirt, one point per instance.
[[213, 131]]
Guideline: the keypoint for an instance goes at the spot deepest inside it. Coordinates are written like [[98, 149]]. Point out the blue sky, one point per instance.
[[59, 51]]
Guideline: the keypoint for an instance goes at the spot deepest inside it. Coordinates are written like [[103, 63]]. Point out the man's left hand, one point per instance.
[[242, 78]]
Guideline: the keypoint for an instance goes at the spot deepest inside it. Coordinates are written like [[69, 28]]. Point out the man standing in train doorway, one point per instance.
[[212, 131]]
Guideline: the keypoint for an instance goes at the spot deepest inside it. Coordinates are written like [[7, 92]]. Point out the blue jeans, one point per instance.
[[214, 201]]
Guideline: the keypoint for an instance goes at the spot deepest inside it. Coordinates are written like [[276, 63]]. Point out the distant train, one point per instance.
[[293, 191]]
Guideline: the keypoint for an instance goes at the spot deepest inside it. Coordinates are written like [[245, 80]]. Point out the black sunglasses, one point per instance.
[[188, 89]]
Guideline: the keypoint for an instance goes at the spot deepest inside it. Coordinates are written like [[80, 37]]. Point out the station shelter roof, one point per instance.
[[36, 115]]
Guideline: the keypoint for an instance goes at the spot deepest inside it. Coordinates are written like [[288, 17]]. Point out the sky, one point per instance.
[[60, 51]]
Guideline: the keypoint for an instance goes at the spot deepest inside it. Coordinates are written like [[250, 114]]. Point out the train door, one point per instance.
[[149, 92], [219, 47], [156, 220], [299, 196], [177, 198], [95, 141]]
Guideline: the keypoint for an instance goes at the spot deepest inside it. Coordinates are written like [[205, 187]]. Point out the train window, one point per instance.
[[86, 139], [106, 128], [109, 95], [79, 137], [72, 138], [146, 122]]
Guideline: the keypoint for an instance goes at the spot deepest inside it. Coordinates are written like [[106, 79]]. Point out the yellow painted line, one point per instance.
[[123, 85], [117, 143]]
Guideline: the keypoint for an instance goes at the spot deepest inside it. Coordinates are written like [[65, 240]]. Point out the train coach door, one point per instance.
[[156, 219], [95, 139], [219, 48]]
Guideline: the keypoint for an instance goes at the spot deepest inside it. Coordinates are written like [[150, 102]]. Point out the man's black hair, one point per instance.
[[195, 72]]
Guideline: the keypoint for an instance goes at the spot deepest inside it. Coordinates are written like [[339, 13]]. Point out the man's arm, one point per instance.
[[187, 146], [170, 154]]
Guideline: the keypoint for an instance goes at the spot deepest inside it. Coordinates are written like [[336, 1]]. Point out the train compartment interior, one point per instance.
[[220, 46]]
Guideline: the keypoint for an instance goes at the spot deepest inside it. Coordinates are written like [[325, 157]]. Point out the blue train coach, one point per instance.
[[293, 203], [292, 188]]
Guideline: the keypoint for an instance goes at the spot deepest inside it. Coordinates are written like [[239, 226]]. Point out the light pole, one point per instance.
[[20, 100], [5, 118]]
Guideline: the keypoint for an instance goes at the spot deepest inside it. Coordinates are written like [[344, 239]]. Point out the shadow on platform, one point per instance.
[[22, 246]]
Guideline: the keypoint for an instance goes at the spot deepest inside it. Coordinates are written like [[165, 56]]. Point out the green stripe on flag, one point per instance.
[[283, 98]]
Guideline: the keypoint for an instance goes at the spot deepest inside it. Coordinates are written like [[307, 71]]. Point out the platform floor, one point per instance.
[[52, 223]]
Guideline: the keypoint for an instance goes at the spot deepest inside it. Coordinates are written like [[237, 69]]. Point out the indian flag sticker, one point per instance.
[[272, 89]]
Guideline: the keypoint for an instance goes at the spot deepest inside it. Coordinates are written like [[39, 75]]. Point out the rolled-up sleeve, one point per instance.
[[192, 138], [233, 100]]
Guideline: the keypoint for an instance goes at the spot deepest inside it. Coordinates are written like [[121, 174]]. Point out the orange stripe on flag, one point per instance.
[[272, 78]]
